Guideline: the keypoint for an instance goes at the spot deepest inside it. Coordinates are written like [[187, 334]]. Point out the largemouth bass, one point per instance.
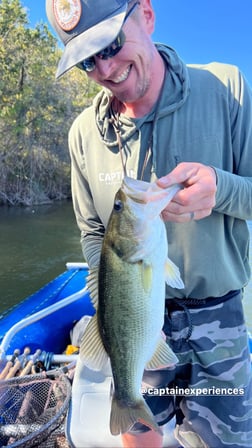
[[130, 299]]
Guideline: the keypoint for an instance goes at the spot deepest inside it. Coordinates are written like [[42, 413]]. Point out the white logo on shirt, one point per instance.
[[115, 177]]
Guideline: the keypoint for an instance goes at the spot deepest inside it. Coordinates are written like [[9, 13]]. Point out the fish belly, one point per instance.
[[130, 321]]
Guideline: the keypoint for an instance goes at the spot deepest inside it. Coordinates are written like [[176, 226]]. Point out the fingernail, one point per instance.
[[162, 182]]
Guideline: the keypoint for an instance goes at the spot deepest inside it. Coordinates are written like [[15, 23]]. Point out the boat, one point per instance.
[[38, 364], [57, 308]]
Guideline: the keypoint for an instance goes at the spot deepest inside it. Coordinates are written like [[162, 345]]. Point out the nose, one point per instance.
[[104, 67]]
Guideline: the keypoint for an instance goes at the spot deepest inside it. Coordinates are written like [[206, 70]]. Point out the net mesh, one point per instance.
[[32, 411]]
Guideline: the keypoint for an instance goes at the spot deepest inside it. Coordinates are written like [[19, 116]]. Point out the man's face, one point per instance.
[[129, 74]]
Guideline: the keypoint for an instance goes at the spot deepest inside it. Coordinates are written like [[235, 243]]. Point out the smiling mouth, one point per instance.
[[122, 77]]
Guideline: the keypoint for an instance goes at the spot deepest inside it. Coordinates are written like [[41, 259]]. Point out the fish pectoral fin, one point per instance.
[[92, 284], [123, 416], [92, 350], [172, 275], [146, 276], [162, 357]]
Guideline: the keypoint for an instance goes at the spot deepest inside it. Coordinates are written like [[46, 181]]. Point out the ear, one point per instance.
[[148, 15]]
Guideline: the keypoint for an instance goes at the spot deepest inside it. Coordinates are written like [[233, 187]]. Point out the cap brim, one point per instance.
[[91, 41]]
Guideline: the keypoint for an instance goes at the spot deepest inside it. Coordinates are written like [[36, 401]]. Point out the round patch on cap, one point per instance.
[[67, 13]]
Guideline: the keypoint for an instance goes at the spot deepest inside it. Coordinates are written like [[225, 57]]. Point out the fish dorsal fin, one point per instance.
[[162, 357], [92, 350], [92, 284], [172, 275], [146, 276]]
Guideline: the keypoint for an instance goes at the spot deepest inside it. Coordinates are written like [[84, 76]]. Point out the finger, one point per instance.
[[184, 205], [181, 174], [186, 217], [195, 192], [189, 173]]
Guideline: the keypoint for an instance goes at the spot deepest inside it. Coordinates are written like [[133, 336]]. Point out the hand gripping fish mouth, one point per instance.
[[128, 293]]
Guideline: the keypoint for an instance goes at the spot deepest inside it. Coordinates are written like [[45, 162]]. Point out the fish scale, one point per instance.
[[129, 299]]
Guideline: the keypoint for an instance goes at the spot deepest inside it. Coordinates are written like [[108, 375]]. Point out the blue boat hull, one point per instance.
[[52, 332]]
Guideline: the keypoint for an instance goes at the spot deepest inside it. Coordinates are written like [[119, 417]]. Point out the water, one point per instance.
[[35, 245]]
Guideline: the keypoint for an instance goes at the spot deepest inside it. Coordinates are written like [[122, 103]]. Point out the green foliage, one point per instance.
[[36, 111]]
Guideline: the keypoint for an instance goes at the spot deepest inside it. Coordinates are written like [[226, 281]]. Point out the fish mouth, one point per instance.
[[136, 189], [142, 192]]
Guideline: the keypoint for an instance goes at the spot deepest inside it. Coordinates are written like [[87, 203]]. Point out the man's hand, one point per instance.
[[197, 199]]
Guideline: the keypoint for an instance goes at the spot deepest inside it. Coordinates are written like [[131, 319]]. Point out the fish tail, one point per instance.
[[123, 417]]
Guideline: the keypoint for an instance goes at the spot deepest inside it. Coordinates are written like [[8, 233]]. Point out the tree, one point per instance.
[[34, 161]]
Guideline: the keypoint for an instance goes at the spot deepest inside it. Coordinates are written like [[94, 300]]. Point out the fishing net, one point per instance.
[[32, 411]]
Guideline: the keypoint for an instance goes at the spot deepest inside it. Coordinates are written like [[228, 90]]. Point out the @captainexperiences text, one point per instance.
[[192, 391]]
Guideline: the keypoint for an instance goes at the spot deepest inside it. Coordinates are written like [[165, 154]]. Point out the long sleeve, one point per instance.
[[234, 192], [89, 223]]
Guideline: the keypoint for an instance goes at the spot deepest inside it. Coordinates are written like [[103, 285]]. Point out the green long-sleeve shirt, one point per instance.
[[204, 115]]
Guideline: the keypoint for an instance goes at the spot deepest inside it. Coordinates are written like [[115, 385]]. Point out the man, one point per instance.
[[183, 124]]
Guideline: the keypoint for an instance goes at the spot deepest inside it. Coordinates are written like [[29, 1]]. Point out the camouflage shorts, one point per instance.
[[210, 390]]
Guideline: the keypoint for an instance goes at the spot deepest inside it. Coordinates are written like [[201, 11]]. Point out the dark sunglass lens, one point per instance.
[[114, 48], [88, 65]]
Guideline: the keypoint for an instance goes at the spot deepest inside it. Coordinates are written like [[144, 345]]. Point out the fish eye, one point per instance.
[[118, 206]]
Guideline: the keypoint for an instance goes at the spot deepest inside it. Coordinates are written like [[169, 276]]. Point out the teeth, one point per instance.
[[122, 77]]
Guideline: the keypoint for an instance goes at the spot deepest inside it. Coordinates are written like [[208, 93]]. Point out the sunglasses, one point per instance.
[[88, 65]]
